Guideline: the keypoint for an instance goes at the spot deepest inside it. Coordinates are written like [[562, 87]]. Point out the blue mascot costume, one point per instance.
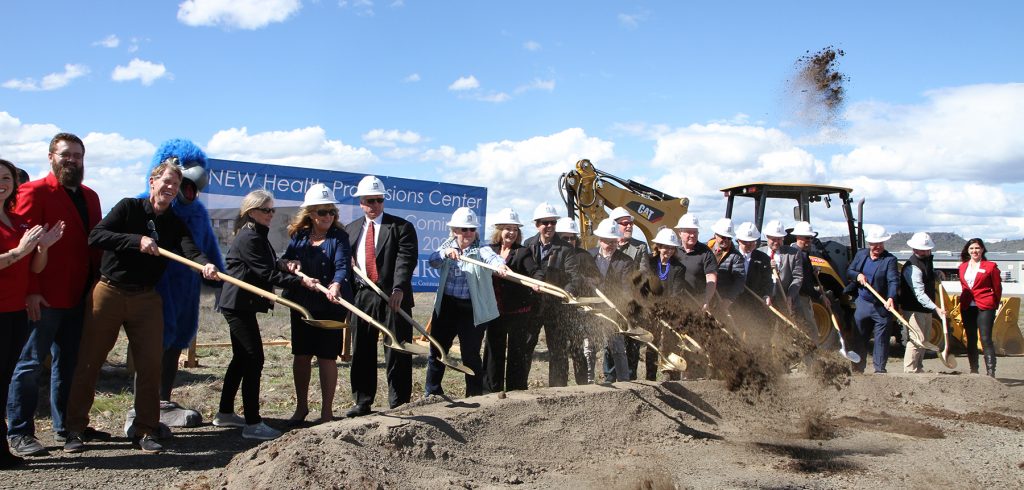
[[180, 286]]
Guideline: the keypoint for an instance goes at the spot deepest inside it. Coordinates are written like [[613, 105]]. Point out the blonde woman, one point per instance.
[[251, 259], [319, 248]]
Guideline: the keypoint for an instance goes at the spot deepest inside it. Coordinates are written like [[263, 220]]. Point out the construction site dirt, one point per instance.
[[767, 416]]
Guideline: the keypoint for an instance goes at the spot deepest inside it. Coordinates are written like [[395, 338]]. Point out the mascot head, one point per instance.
[[193, 164]]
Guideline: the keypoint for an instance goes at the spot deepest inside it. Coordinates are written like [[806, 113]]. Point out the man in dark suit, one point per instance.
[[386, 248], [555, 266], [876, 267], [757, 268], [787, 268]]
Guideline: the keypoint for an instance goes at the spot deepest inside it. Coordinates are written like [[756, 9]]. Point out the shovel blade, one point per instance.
[[458, 367], [675, 362], [638, 334], [326, 324], [949, 361], [408, 348], [851, 356]]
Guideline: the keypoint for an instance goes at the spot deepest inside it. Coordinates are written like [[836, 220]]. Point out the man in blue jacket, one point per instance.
[[876, 267]]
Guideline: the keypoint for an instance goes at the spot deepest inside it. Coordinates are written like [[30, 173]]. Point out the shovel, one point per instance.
[[785, 319], [671, 361], [531, 282], [947, 360], [389, 338], [447, 361], [852, 356], [306, 316], [911, 330]]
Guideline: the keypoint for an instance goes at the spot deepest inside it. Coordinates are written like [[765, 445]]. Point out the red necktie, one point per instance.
[[370, 253]]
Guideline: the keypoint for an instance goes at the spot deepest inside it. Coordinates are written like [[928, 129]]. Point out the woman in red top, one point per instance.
[[979, 301], [17, 241]]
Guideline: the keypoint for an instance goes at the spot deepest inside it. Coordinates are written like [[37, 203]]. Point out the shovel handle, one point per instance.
[[240, 283], [366, 280], [522, 280], [350, 307]]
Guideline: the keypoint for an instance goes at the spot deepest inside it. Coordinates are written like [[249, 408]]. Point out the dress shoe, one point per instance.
[[357, 411]]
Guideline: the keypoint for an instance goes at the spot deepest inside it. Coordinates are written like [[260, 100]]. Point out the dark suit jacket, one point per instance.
[[615, 282], [397, 250], [759, 273], [511, 296], [251, 258], [559, 269], [885, 280]]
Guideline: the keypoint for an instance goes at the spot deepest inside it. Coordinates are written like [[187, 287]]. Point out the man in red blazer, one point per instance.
[[56, 295]]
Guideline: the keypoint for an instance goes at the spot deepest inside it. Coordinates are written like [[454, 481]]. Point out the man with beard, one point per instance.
[[56, 295]]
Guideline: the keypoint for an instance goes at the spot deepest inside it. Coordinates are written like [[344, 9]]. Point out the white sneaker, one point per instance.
[[260, 431], [228, 420]]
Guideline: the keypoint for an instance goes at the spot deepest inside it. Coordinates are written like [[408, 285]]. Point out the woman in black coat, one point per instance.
[[665, 277], [250, 259], [506, 347]]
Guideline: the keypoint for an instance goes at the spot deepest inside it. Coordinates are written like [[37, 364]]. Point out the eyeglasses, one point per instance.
[[467, 230], [69, 156], [151, 226], [325, 212], [625, 223], [547, 222], [374, 200], [267, 210], [572, 238]]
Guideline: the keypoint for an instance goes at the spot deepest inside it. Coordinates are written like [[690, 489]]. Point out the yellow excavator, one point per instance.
[[588, 191]]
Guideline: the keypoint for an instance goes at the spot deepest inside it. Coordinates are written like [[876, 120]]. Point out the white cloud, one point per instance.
[[391, 138], [537, 84], [52, 81], [532, 46], [304, 147], [146, 72], [412, 78], [496, 97], [521, 173], [240, 14], [110, 41], [464, 83], [970, 132], [363, 8], [632, 21]]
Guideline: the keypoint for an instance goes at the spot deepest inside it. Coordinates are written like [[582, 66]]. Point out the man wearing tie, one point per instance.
[[385, 247], [787, 267]]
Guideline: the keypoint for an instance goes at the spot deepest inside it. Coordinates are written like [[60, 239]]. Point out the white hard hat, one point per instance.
[[464, 218], [724, 228], [774, 229], [921, 241], [369, 186], [507, 216], [688, 221], [607, 228], [803, 228], [567, 225], [877, 234], [747, 232], [666, 236], [319, 194], [619, 213], [544, 210]]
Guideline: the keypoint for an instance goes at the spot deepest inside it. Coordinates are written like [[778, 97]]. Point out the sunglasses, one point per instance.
[[151, 226], [267, 210], [374, 200], [325, 212], [547, 222], [466, 230]]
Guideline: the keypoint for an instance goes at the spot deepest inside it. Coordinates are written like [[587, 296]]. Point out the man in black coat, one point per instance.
[[556, 267], [391, 242], [757, 267]]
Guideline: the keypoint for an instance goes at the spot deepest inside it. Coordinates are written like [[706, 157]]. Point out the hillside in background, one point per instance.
[[943, 241]]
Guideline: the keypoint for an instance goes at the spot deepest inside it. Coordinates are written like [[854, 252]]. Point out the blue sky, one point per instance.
[[686, 97]]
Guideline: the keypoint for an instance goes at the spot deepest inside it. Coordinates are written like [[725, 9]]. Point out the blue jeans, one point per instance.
[[872, 321], [57, 333]]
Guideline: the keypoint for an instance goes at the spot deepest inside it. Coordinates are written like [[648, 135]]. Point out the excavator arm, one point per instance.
[[586, 192]]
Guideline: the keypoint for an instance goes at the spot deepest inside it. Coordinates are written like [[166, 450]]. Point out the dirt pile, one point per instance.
[[647, 435]]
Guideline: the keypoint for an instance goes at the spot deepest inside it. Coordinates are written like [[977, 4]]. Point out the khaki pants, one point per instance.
[[141, 313], [912, 359]]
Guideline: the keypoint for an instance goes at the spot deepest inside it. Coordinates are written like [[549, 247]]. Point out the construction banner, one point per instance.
[[427, 205]]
